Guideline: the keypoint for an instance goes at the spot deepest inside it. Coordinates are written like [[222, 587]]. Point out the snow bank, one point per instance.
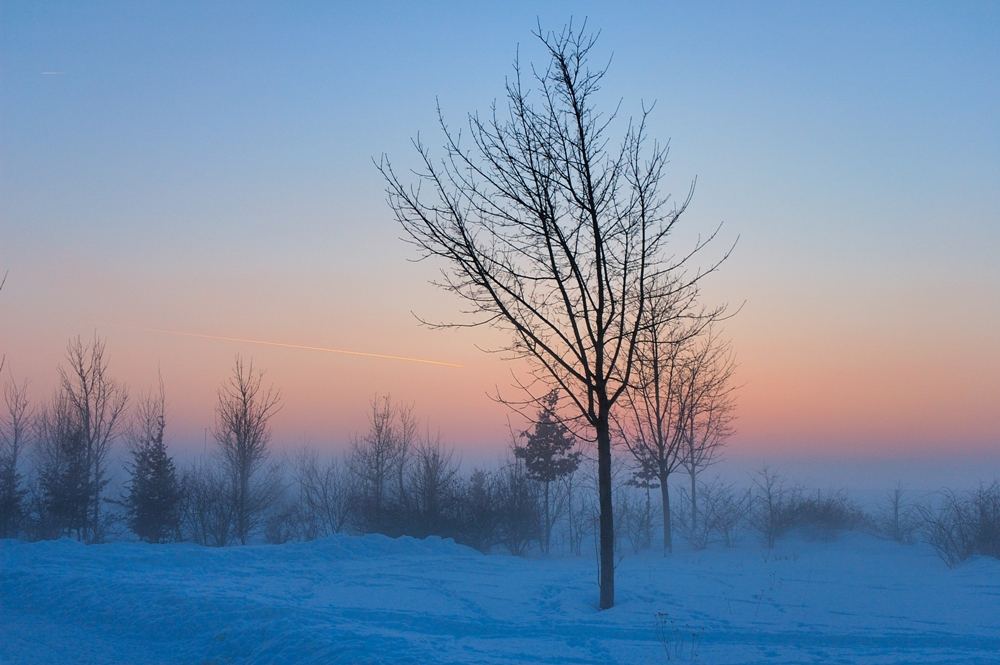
[[374, 599]]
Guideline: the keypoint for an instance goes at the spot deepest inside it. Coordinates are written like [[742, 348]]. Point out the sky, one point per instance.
[[207, 168]]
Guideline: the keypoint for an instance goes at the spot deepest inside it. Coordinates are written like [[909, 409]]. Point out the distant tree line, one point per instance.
[[55, 467], [396, 478]]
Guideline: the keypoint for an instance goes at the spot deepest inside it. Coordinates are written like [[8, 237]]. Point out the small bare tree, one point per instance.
[[577, 513], [770, 501], [378, 458], [325, 492], [517, 504], [899, 520], [98, 405], [551, 234], [651, 427], [435, 485], [206, 505], [478, 512], [406, 441], [721, 509], [706, 404], [243, 432], [63, 471], [14, 433]]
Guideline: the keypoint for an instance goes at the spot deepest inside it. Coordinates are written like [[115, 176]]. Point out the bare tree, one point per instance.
[[963, 525], [14, 432], [243, 431], [551, 234], [706, 402], [578, 512], [63, 471], [651, 426], [206, 505], [98, 405], [899, 520], [636, 512], [478, 513], [721, 508], [518, 509], [325, 493], [771, 500], [406, 440], [435, 485], [378, 457]]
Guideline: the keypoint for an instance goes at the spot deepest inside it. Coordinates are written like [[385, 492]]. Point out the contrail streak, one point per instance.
[[346, 352]]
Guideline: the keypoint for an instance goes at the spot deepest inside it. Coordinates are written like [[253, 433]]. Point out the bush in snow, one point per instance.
[[634, 517], [325, 489], [478, 516], [720, 509], [518, 507], [898, 520], [825, 514], [286, 523], [434, 490], [206, 509], [777, 509], [965, 525], [769, 512]]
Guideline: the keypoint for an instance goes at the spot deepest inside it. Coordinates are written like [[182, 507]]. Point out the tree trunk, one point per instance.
[[96, 518], [647, 533], [95, 509], [572, 521], [694, 501], [90, 505], [607, 524], [548, 524], [242, 514], [668, 541], [401, 478]]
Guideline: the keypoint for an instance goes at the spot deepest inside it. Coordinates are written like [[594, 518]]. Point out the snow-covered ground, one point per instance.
[[376, 600]]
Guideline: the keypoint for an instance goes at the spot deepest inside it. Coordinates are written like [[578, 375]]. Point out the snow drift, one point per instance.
[[373, 599]]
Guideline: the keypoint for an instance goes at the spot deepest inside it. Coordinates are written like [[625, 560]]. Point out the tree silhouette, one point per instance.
[[553, 235], [548, 456], [153, 499], [243, 432], [14, 432], [96, 404]]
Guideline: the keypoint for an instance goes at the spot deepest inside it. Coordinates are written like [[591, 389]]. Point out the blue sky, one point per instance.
[[206, 166]]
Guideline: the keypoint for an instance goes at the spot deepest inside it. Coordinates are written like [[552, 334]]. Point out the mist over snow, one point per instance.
[[373, 599]]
